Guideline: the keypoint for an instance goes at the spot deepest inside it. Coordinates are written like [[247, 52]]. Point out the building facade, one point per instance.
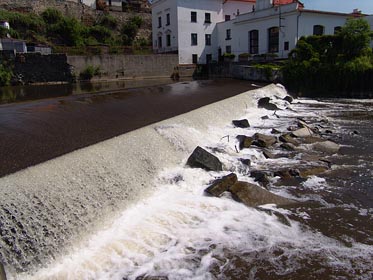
[[204, 30]]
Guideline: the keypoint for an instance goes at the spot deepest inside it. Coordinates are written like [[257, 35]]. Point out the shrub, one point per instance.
[[128, 33], [5, 75], [52, 16], [229, 55], [89, 72], [109, 21], [101, 34]]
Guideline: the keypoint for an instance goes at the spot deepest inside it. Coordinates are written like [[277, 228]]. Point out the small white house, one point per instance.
[[13, 45], [202, 31]]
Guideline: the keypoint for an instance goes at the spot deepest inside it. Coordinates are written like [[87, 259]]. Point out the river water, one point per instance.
[[176, 232]]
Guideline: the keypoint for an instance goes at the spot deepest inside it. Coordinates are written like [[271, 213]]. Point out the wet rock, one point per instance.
[[268, 155], [252, 195], [264, 118], [221, 185], [288, 147], [244, 141], [261, 177], [302, 132], [275, 131], [264, 141], [312, 171], [245, 161], [302, 124], [355, 132], [328, 147], [200, 158], [312, 139], [328, 131], [2, 272], [287, 138], [292, 128], [241, 123], [288, 98], [264, 103], [283, 174]]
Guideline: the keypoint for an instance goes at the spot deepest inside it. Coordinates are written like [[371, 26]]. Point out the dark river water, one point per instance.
[[71, 118]]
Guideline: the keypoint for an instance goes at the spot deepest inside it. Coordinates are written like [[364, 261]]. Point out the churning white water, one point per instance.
[[153, 216]]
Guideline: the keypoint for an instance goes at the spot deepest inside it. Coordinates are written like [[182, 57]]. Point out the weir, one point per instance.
[[47, 209]]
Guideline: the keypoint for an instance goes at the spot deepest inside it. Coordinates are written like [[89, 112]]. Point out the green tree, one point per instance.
[[52, 16], [355, 36]]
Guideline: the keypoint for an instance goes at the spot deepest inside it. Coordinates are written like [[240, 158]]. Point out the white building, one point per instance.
[[201, 31]]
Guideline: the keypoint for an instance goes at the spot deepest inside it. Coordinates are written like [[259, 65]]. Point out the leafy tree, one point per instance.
[[356, 36], [101, 34], [109, 21], [5, 75], [68, 31]]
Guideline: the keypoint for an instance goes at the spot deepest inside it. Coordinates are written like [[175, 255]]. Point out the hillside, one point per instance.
[[72, 24]]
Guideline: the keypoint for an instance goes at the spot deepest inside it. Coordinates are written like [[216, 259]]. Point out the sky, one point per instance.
[[345, 6]]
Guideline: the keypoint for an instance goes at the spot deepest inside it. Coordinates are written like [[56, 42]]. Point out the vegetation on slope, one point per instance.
[[53, 28], [338, 63]]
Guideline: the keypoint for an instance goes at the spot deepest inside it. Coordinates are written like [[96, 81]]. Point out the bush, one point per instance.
[[5, 75], [52, 16], [128, 33], [68, 31], [109, 22], [229, 55], [101, 34], [89, 72]]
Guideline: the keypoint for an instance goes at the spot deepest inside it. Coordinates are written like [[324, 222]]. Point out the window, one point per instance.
[[337, 29], [318, 30], [273, 39], [194, 39], [228, 37], [193, 16], [195, 58], [208, 39], [159, 22], [159, 42], [227, 17], [207, 18], [168, 40], [208, 58], [286, 46], [254, 41], [168, 19], [228, 49]]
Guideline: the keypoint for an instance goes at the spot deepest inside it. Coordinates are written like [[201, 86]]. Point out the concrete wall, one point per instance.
[[127, 66]]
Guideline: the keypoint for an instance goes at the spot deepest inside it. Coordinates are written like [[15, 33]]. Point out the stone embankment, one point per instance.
[[301, 140]]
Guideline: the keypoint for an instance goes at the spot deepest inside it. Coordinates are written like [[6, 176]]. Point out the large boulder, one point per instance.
[[262, 177], [264, 141], [252, 195], [328, 147], [201, 158], [264, 103], [221, 185], [241, 123]]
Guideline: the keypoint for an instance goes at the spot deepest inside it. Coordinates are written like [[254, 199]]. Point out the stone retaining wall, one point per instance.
[[126, 66]]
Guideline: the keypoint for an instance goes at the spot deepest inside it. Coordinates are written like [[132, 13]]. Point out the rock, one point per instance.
[[268, 155], [264, 103], [302, 124], [288, 147], [245, 161], [221, 185], [264, 141], [261, 177], [311, 171], [328, 131], [326, 147], [252, 195], [287, 138], [200, 158], [312, 139], [288, 98], [264, 118], [356, 132], [241, 123], [286, 174], [2, 272], [275, 131], [302, 132], [244, 141]]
